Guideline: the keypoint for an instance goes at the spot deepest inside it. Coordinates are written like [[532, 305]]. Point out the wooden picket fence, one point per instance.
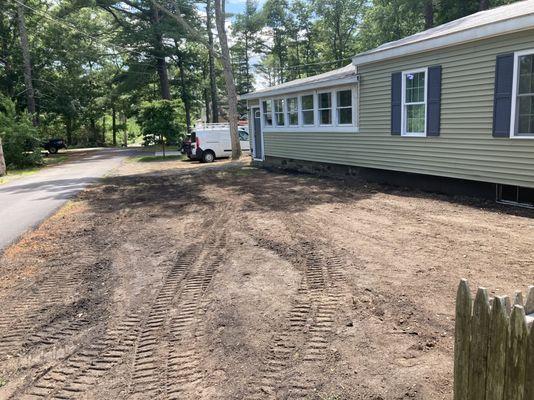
[[494, 346]]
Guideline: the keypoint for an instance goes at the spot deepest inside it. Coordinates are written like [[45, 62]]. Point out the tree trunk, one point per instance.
[[92, 123], [114, 125], [68, 126], [483, 5], [2, 160], [161, 64], [184, 91], [211, 57], [206, 94], [429, 14], [26, 60], [229, 79]]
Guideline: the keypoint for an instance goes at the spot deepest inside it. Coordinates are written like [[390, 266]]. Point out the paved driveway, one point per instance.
[[25, 202]]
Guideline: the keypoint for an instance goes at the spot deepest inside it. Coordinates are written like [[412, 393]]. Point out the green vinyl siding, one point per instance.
[[465, 148]]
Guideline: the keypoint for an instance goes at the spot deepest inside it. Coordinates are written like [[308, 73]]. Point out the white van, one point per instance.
[[211, 141]]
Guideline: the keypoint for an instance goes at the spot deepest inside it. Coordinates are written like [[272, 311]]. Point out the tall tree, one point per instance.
[[339, 21], [26, 60], [428, 12], [276, 17], [211, 59], [245, 31], [483, 5], [233, 117]]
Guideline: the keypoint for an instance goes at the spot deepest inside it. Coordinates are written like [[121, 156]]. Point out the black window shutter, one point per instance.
[[502, 101], [433, 111], [396, 99]]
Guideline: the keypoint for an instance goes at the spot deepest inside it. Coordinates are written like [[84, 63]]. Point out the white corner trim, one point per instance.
[[468, 35]]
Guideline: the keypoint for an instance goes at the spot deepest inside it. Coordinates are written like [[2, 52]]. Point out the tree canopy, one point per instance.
[[82, 68]]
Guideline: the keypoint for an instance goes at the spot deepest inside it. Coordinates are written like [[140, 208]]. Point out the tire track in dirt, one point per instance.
[[167, 358], [84, 368], [73, 377], [22, 325], [310, 322]]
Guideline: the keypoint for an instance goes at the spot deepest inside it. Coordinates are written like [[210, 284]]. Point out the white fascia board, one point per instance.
[[300, 88], [490, 30]]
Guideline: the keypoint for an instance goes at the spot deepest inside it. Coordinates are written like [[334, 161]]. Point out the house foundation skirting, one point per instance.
[[427, 183]]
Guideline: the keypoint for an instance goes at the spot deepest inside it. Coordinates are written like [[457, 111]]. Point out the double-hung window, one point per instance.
[[523, 100], [279, 113], [325, 108], [344, 107], [308, 106], [267, 113], [414, 103], [293, 111]]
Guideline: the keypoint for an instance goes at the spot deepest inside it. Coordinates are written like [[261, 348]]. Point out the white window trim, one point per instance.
[[316, 126], [301, 122], [283, 112], [515, 85], [331, 108], [288, 120], [403, 103], [353, 106], [263, 112]]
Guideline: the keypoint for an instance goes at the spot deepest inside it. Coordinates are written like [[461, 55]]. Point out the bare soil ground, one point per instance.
[[177, 280]]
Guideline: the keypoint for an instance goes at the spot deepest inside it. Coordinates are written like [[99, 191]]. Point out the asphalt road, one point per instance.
[[27, 201]]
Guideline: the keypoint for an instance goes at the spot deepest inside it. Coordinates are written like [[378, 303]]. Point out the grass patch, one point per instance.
[[52, 160], [13, 174], [3, 382], [158, 158]]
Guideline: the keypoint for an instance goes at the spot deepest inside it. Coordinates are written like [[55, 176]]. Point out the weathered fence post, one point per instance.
[[464, 306], [514, 388], [498, 340], [529, 376], [479, 346], [494, 346]]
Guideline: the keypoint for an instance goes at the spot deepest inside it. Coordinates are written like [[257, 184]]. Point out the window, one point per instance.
[[325, 108], [279, 114], [268, 113], [293, 111], [414, 103], [333, 110], [243, 135], [308, 110], [523, 124], [344, 107]]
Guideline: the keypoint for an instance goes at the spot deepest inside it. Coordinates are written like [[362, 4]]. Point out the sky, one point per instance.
[[238, 6]]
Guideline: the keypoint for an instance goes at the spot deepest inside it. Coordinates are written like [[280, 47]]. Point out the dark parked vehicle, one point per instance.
[[53, 145]]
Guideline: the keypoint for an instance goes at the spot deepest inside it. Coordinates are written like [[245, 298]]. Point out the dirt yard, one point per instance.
[[176, 280]]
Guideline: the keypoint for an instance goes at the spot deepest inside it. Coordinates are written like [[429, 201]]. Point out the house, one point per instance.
[[450, 107]]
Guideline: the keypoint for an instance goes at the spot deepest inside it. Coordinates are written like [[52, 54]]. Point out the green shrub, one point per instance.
[[162, 120], [19, 138]]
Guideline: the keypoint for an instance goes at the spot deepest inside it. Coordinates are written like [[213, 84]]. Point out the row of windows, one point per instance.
[[332, 108], [337, 108]]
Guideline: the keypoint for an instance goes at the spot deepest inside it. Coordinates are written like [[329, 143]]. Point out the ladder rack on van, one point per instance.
[[219, 125], [204, 125]]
